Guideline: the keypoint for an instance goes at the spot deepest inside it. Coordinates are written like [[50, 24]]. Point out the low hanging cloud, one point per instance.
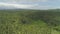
[[25, 6], [19, 4], [16, 5]]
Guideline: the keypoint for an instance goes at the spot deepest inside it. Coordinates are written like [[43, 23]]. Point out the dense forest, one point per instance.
[[30, 21]]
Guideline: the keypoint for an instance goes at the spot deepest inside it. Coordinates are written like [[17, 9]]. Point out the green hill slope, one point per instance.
[[29, 22]]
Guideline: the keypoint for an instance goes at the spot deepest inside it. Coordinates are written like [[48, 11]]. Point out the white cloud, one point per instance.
[[24, 6], [20, 3], [16, 5]]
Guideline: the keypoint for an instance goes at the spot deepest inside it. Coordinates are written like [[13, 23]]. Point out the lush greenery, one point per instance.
[[30, 21]]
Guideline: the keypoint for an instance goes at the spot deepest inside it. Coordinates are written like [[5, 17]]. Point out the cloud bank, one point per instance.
[[16, 5], [22, 6], [29, 4]]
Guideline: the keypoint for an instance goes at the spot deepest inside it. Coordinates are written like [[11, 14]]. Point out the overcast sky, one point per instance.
[[30, 4]]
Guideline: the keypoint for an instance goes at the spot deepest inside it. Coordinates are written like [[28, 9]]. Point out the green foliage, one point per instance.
[[29, 22]]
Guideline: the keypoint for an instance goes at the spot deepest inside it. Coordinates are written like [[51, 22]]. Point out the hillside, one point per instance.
[[29, 21]]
